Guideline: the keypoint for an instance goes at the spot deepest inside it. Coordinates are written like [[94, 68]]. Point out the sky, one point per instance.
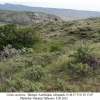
[[92, 5]]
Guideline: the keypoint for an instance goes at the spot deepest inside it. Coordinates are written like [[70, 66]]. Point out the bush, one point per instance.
[[79, 70], [37, 87], [95, 35], [54, 48], [21, 85], [17, 37], [76, 31], [5, 72], [34, 73], [8, 69], [83, 53], [26, 37], [61, 83], [9, 52]]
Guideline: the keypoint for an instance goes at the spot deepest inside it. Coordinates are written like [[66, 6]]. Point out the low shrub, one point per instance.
[[83, 53], [9, 52], [34, 73], [61, 83], [22, 85], [54, 48], [79, 70]]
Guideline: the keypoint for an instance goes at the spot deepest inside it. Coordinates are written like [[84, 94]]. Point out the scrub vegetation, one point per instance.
[[54, 57]]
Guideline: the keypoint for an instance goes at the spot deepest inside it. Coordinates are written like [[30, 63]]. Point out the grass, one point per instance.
[[57, 77]]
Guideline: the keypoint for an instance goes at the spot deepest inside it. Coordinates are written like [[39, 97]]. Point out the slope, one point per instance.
[[67, 59]]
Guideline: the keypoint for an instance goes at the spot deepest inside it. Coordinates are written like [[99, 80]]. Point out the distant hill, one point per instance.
[[65, 14], [26, 17]]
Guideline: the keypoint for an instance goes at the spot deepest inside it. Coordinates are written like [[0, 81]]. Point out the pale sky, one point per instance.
[[93, 5]]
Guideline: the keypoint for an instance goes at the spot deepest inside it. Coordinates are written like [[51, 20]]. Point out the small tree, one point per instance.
[[17, 37], [26, 37]]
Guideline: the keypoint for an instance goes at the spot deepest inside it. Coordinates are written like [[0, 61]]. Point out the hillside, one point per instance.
[[65, 14], [26, 17], [66, 59]]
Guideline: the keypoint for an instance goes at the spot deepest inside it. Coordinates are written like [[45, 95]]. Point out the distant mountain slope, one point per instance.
[[66, 14], [26, 17]]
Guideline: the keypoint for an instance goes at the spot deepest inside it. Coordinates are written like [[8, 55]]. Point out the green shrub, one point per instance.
[[37, 87], [60, 66], [21, 85], [26, 37], [95, 35], [5, 72], [83, 53], [34, 73], [54, 48], [17, 37], [7, 69], [61, 83], [79, 70], [76, 31]]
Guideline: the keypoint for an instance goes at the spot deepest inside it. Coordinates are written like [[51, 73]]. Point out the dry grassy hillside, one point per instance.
[[66, 59]]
